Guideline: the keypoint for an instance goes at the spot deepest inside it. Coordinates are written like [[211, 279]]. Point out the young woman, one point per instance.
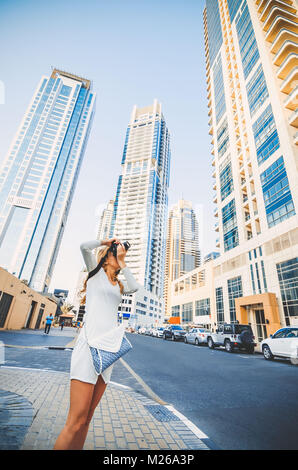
[[103, 291]]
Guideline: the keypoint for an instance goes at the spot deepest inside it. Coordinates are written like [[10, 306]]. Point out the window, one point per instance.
[[214, 29], [202, 307], [187, 313], [230, 229], [265, 134], [233, 8], [234, 291], [219, 92], [288, 282], [176, 311], [223, 138], [227, 329], [280, 334], [219, 304], [226, 178], [257, 91], [277, 195], [291, 333], [247, 41]]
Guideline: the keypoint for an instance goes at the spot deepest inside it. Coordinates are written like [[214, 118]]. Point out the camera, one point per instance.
[[114, 245]]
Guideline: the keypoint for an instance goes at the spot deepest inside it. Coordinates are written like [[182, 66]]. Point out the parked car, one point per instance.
[[142, 330], [197, 336], [174, 332], [284, 343], [233, 336], [148, 331], [158, 332]]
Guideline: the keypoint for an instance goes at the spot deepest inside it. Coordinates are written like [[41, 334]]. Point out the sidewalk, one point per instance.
[[34, 405]]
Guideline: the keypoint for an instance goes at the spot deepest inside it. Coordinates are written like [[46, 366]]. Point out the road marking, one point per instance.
[[191, 426], [200, 434], [120, 385], [144, 385]]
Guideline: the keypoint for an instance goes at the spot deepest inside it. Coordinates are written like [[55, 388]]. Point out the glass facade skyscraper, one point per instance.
[[39, 174], [141, 203], [182, 250], [251, 68]]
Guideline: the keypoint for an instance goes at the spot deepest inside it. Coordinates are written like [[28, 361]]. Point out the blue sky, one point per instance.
[[133, 51]]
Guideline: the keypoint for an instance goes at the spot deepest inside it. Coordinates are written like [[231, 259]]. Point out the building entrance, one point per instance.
[[260, 323]]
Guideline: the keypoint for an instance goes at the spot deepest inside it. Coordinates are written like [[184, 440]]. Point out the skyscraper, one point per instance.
[[182, 252], [141, 201], [39, 174], [251, 64], [104, 227]]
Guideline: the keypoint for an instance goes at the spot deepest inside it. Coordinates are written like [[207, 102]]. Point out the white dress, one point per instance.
[[100, 319]]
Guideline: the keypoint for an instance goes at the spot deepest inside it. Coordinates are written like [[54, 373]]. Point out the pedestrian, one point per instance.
[[102, 292], [48, 324], [62, 325], [78, 325]]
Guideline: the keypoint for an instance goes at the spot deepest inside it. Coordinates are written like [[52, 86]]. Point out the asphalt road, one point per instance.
[[239, 400]]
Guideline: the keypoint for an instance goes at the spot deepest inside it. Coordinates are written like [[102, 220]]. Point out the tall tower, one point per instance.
[[104, 227], [141, 201], [251, 64], [39, 174], [182, 253]]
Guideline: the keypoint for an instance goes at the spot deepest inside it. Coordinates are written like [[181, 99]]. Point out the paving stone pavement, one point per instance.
[[123, 419]]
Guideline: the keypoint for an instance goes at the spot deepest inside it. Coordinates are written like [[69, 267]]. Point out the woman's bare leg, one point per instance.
[[98, 392], [71, 436]]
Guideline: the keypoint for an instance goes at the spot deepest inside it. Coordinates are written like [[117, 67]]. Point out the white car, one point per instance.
[[284, 343], [142, 330], [158, 332]]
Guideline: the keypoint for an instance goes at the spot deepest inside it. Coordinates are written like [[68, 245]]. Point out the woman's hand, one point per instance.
[[110, 241], [121, 253]]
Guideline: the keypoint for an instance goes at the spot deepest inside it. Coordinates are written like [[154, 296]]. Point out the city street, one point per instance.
[[240, 401]]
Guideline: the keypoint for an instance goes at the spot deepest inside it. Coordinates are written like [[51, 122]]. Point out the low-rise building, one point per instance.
[[192, 297], [21, 306]]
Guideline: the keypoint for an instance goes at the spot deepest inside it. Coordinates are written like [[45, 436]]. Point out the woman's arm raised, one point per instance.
[[87, 252]]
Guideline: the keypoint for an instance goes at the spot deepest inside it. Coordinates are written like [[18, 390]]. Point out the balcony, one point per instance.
[[283, 36], [288, 65], [216, 227], [263, 3], [292, 100], [215, 199], [296, 138], [217, 243], [216, 212], [272, 12], [280, 23], [286, 49], [275, 4], [290, 82], [293, 119]]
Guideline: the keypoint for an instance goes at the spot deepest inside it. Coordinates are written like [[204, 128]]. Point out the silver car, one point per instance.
[[197, 336]]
